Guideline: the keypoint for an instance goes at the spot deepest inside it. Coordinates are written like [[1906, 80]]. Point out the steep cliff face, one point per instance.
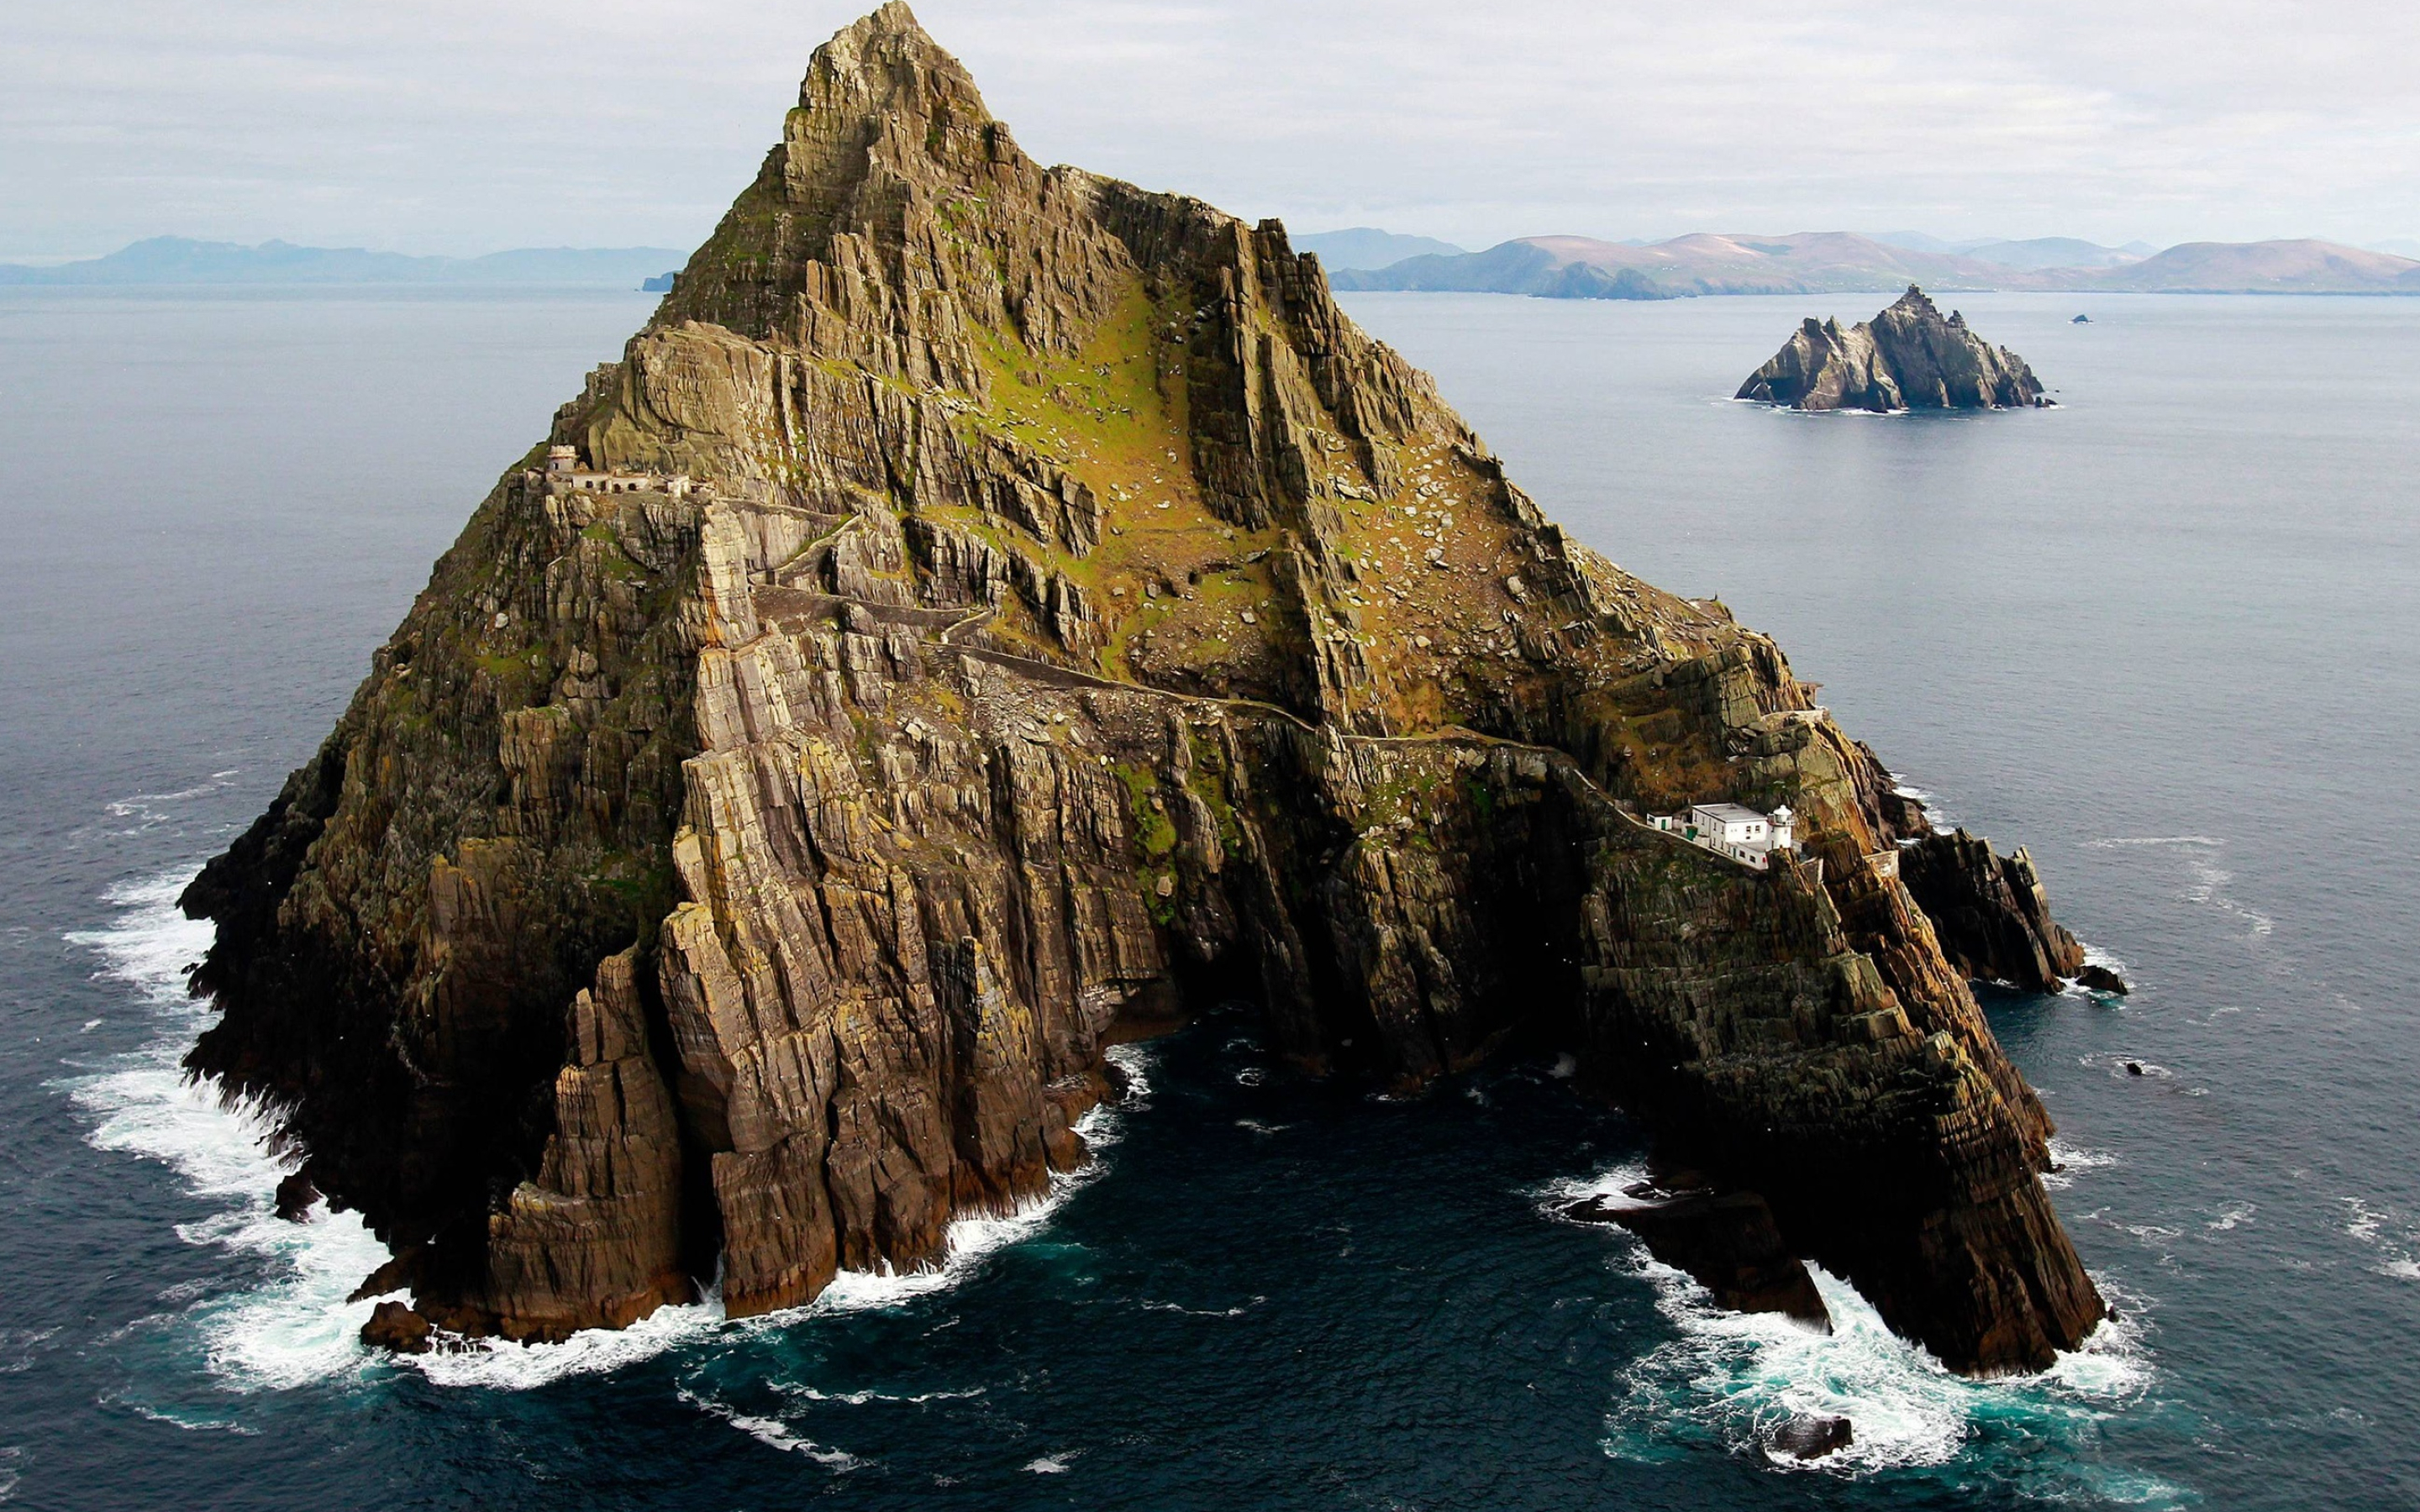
[[1906, 357], [1990, 911], [987, 609]]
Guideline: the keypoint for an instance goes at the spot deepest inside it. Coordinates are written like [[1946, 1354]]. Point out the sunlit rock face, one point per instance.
[[1906, 357], [987, 611]]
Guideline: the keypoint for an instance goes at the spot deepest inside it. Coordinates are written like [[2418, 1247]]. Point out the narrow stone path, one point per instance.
[[1050, 674]]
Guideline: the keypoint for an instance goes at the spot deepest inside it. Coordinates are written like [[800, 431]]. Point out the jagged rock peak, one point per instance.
[[884, 76], [1917, 304], [1908, 357], [987, 609], [894, 199]]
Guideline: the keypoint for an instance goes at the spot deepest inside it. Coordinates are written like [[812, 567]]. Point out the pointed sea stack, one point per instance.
[[1906, 357], [987, 609]]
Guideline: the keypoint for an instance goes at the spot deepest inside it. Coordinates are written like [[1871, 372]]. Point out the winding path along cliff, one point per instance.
[[987, 609]]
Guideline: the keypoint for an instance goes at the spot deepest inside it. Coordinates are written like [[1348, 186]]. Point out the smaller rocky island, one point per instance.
[[1906, 357]]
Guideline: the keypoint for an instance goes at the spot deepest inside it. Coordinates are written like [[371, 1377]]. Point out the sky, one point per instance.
[[467, 126]]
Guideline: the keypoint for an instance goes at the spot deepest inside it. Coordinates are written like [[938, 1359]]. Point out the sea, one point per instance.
[[2161, 634]]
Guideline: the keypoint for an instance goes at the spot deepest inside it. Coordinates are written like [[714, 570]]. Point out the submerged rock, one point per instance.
[[1906, 357], [2102, 980], [987, 611], [1811, 1436]]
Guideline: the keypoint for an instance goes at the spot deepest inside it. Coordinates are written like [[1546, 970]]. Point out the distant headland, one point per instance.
[[1838, 262], [167, 260]]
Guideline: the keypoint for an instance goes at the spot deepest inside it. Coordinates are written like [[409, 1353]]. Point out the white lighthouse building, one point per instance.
[[1734, 831], [1732, 824]]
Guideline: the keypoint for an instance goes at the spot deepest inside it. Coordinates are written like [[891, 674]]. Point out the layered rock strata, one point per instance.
[[1908, 357], [1990, 911], [987, 609]]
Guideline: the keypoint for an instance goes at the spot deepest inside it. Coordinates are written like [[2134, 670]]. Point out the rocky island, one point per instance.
[[1908, 357], [987, 612]]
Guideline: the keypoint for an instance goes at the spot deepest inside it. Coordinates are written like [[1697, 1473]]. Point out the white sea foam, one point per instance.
[[145, 805], [185, 1422], [2207, 883], [140, 812], [1613, 1181], [1052, 1464], [298, 1325], [1236, 1311], [970, 1241], [776, 1434], [859, 1398], [20, 1346], [1730, 1378], [1936, 813], [2107, 961], [149, 944], [2396, 1240], [2119, 1064], [502, 1366], [2094, 956], [1135, 1061], [2072, 1160], [499, 1365], [1734, 1377]]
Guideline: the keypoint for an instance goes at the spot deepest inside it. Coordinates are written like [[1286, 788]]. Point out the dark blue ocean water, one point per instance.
[[2161, 634]]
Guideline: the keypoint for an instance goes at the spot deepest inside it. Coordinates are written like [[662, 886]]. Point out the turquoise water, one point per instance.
[[2159, 634]]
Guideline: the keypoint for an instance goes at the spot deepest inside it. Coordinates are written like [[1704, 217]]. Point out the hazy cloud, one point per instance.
[[456, 126]]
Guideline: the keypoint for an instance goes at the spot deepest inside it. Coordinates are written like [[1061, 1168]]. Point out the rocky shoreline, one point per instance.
[[987, 609]]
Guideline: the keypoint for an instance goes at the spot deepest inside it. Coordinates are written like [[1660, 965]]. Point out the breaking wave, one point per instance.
[[2070, 1160], [1726, 1381], [2394, 1240], [297, 1326], [775, 1434]]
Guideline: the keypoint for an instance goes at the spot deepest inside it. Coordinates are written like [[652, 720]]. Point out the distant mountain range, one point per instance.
[[2038, 251], [2057, 251], [1365, 257], [2304, 267], [182, 260], [1821, 262], [1366, 246]]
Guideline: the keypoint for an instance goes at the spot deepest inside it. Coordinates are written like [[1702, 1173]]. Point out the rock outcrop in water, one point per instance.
[[1727, 1240], [1990, 911], [1906, 357], [987, 609]]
